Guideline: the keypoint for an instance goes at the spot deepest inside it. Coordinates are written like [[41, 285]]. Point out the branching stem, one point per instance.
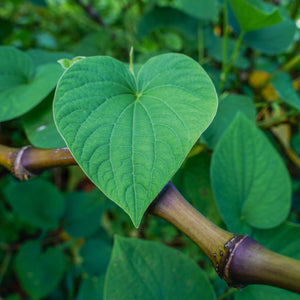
[[238, 259]]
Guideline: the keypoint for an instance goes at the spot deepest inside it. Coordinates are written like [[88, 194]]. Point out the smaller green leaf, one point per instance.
[[150, 271], [254, 14], [37, 202], [250, 182], [95, 254], [39, 272], [67, 63], [22, 85], [40, 128], [228, 108], [273, 39], [91, 288], [201, 9], [285, 239], [83, 213], [283, 85]]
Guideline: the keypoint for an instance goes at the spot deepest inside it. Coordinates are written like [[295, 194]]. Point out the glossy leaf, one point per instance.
[[22, 86], [130, 133], [229, 107], [149, 270], [39, 272], [83, 213], [37, 202], [202, 9], [283, 85], [254, 14], [40, 128], [250, 182]]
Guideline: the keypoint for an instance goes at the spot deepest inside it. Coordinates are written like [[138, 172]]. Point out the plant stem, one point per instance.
[[291, 63], [225, 36], [91, 12], [27, 161], [233, 58], [294, 9], [7, 155], [227, 293], [238, 259], [252, 263], [200, 43], [171, 206], [277, 120]]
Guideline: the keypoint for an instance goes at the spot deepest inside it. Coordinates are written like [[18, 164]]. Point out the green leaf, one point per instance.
[[67, 63], [91, 288], [254, 14], [95, 254], [168, 17], [150, 271], [228, 108], [37, 202], [193, 181], [83, 213], [130, 133], [250, 182], [39, 272], [40, 128], [283, 85], [263, 292], [201, 9], [22, 86], [286, 241], [273, 39]]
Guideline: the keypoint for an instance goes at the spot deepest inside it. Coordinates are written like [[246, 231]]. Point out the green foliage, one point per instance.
[[136, 269], [113, 123], [39, 272], [132, 128], [284, 87], [37, 202], [254, 14], [253, 188], [22, 82]]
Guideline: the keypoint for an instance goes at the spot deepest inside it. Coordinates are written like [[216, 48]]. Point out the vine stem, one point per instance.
[[294, 9], [232, 60], [238, 259]]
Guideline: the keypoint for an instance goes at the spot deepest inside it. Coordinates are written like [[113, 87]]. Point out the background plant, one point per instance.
[[53, 227]]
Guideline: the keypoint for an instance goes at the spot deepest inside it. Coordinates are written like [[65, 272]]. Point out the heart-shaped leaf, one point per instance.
[[39, 273], [22, 84], [131, 132]]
